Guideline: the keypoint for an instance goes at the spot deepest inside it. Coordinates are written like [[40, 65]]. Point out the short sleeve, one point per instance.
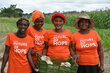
[[46, 36], [74, 37], [69, 34], [97, 37], [7, 42], [31, 43]]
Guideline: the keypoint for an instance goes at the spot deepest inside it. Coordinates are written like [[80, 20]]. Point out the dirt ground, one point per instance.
[[106, 55]]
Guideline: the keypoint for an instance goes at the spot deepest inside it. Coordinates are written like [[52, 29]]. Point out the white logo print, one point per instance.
[[85, 43], [19, 50], [57, 41], [38, 40]]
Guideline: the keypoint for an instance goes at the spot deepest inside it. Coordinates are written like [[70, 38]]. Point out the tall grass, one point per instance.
[[102, 20], [70, 19], [105, 36]]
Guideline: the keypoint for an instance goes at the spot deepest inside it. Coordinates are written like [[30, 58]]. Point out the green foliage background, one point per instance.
[[101, 18]]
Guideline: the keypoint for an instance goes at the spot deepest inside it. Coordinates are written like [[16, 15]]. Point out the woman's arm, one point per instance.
[[74, 54], [101, 56], [71, 50], [29, 56], [5, 58], [45, 49]]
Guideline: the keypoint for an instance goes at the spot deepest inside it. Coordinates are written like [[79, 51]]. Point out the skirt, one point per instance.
[[88, 69]]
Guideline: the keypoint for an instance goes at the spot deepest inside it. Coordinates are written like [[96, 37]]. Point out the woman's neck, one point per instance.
[[20, 35], [56, 30], [38, 29], [84, 31]]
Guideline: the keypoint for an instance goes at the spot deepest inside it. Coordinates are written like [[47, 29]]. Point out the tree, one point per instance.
[[11, 11], [18, 12]]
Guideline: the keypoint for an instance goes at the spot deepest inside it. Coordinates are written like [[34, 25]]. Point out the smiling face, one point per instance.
[[58, 23], [22, 26], [38, 23], [84, 24]]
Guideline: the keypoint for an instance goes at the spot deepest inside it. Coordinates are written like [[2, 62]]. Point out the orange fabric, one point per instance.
[[18, 62], [36, 14], [86, 47], [58, 44], [38, 39], [58, 14]]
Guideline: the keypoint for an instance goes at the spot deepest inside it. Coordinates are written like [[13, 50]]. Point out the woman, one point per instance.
[[58, 40], [18, 50], [37, 32], [87, 44]]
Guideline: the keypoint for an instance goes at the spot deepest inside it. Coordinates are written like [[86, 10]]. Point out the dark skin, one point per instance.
[[75, 55], [101, 56], [45, 48], [22, 29], [38, 23], [5, 58], [84, 26], [58, 24], [84, 29], [21, 33]]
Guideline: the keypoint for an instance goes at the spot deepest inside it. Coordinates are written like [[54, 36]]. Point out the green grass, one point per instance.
[[9, 25], [105, 36]]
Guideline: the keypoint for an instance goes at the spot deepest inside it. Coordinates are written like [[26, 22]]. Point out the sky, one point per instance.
[[49, 6]]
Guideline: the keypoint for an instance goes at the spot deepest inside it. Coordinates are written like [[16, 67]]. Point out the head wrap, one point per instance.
[[37, 14], [58, 14]]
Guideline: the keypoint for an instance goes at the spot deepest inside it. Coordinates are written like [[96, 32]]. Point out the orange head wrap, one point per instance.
[[36, 14]]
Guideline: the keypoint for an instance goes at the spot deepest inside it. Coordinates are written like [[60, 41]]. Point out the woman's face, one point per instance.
[[39, 22], [83, 24], [22, 27], [58, 23]]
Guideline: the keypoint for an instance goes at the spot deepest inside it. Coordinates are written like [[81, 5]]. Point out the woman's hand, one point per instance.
[[101, 69], [76, 57], [36, 69]]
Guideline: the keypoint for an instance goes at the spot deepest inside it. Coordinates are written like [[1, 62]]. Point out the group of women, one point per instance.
[[84, 45]]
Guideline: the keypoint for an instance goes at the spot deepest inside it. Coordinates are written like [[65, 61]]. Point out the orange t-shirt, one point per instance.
[[38, 39], [86, 47], [18, 62], [58, 44]]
